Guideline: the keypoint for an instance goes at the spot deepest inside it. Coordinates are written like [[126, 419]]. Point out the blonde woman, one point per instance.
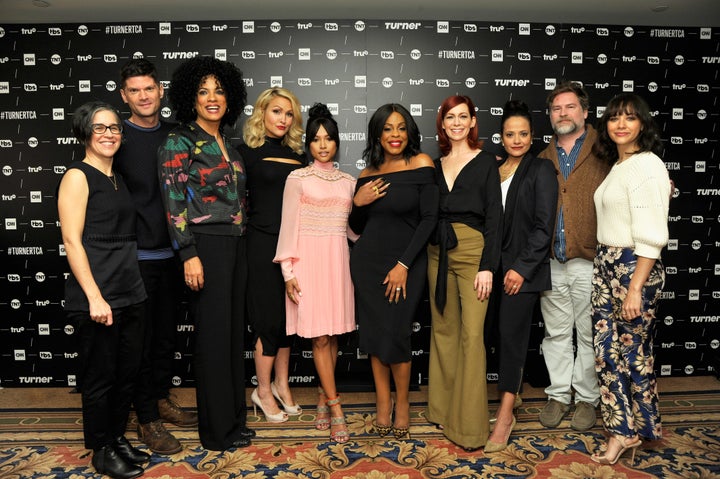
[[273, 149]]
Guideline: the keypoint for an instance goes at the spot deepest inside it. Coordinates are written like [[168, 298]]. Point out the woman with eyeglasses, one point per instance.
[[104, 294]]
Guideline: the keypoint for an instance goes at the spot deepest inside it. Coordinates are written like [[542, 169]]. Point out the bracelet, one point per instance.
[[403, 265]]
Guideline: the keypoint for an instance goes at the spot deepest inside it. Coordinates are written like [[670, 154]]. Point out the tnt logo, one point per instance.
[[387, 82], [221, 54], [248, 27], [524, 29], [550, 30], [665, 370], [677, 113], [56, 59], [331, 54], [110, 85], [275, 27], [304, 54], [176, 381], [689, 369], [360, 81], [416, 109], [276, 81], [628, 85], [83, 30], [29, 59], [359, 26], [602, 59], [36, 197], [470, 82], [415, 54], [679, 60], [69, 329], [629, 32], [652, 87], [576, 57], [550, 83], [443, 27], [496, 55], [19, 355], [7, 169], [40, 277], [701, 114], [705, 33], [15, 303], [694, 295]]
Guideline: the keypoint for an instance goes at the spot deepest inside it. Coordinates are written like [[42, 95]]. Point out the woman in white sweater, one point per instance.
[[632, 212]]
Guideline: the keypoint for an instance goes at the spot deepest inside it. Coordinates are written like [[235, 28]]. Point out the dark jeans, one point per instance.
[[163, 283], [109, 363]]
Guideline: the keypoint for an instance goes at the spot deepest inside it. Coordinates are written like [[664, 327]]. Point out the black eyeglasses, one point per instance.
[[99, 128]]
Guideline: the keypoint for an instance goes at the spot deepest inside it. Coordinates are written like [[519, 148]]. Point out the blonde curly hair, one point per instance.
[[254, 128]]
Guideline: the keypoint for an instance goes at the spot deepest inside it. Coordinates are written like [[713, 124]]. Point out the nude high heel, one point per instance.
[[491, 446], [294, 410], [278, 417], [625, 444]]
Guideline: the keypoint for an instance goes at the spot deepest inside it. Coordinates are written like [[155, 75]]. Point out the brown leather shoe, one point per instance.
[[157, 438], [172, 413]]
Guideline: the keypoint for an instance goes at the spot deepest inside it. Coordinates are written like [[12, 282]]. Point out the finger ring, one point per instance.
[[375, 189], [398, 288], [188, 282]]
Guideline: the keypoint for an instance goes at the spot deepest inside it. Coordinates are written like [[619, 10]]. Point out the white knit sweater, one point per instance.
[[632, 205]]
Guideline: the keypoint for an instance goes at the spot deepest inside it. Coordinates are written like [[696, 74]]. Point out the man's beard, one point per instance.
[[564, 129]]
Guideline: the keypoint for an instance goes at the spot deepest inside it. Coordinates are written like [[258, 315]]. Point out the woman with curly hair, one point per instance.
[[628, 276], [203, 186], [395, 209], [273, 148]]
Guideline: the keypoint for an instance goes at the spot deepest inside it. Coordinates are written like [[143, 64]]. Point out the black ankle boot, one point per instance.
[[106, 461], [129, 454]]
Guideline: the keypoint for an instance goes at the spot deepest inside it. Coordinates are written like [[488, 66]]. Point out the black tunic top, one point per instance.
[[109, 241]]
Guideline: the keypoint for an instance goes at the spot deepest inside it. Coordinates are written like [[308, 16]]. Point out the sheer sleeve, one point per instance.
[[287, 247]]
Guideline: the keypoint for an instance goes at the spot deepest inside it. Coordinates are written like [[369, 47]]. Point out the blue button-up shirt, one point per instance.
[[566, 161]]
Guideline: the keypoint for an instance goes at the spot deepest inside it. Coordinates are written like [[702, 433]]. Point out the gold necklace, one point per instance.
[[112, 179], [507, 171]]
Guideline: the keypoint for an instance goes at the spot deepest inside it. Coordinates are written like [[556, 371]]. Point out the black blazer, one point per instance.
[[529, 221]]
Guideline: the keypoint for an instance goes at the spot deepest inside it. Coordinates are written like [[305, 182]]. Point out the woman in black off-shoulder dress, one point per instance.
[[394, 210]]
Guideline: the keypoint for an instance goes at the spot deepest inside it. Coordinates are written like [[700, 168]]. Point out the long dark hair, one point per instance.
[[448, 104], [627, 104], [373, 152]]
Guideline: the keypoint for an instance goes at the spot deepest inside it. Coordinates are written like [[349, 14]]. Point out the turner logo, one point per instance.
[[35, 379], [403, 25], [179, 55]]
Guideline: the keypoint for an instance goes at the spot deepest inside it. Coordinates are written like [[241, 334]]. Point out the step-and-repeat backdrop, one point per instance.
[[354, 66]]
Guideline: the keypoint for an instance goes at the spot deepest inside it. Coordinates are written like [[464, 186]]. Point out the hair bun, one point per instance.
[[319, 110], [513, 107]]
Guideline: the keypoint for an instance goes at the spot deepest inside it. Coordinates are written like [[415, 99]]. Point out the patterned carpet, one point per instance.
[[48, 444]]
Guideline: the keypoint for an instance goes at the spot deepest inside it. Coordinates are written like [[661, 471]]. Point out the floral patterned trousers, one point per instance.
[[624, 359]]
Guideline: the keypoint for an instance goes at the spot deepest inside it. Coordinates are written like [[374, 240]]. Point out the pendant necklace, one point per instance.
[[112, 180]]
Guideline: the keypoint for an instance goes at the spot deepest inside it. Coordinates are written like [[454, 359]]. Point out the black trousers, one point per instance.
[[219, 316], [164, 286], [514, 322], [109, 363]]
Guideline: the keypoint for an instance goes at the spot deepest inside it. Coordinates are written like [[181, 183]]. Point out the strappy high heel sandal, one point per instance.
[[340, 435], [294, 410], [322, 419], [625, 444]]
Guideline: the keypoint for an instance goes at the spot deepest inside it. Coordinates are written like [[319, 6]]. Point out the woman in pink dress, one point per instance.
[[315, 259]]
